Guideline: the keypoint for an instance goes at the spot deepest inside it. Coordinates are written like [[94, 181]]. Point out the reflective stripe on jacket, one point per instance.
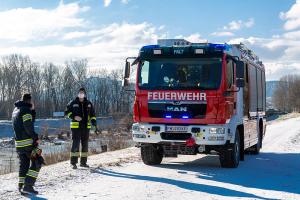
[[23, 124], [84, 109]]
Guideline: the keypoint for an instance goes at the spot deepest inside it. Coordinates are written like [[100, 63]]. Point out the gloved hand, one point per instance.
[[97, 131], [36, 140], [36, 152], [41, 160], [94, 122], [77, 118]]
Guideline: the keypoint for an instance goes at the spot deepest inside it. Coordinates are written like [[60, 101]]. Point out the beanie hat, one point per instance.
[[82, 90], [26, 97]]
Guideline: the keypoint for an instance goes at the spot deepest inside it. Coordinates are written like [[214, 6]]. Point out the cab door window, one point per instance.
[[229, 73]]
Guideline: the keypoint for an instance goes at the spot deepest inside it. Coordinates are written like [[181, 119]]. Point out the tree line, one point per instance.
[[53, 86], [286, 96]]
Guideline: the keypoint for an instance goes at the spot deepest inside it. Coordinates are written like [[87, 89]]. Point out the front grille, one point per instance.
[[175, 136], [159, 110]]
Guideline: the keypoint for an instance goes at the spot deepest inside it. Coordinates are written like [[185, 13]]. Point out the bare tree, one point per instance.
[[286, 96], [53, 86]]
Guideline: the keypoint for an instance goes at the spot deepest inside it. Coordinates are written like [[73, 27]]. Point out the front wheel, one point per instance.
[[230, 157], [151, 155]]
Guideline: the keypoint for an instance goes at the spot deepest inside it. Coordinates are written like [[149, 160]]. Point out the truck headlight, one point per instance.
[[138, 127], [217, 130]]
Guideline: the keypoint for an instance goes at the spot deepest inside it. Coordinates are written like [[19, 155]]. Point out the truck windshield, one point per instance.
[[178, 74]]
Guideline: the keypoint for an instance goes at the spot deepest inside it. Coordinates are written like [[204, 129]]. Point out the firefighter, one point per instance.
[[26, 140], [82, 115]]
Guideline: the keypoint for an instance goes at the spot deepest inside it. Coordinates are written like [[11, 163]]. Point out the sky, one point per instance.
[[107, 31]]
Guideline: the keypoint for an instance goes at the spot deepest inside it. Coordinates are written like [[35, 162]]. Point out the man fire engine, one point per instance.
[[198, 98]]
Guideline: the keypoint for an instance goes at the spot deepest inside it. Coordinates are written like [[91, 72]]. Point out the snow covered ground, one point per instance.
[[273, 174]]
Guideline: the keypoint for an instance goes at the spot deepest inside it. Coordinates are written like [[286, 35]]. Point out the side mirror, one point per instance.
[[240, 67], [127, 74], [240, 83]]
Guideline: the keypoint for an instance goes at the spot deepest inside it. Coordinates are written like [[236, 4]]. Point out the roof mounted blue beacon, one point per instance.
[[223, 47], [151, 46]]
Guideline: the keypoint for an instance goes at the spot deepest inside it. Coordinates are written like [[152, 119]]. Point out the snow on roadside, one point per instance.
[[60, 175], [283, 136], [273, 174]]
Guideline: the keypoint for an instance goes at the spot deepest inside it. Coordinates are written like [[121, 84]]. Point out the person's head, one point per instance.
[[81, 94], [26, 98], [182, 74]]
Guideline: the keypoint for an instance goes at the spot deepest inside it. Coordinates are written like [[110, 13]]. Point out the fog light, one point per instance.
[[139, 135], [217, 130]]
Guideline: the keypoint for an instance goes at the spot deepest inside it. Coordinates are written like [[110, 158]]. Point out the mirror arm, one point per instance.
[[237, 90], [234, 58], [134, 58], [229, 91]]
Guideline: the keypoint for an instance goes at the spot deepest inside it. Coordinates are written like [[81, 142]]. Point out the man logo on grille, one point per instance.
[[176, 109]]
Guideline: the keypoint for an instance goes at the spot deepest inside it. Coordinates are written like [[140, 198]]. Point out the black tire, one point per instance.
[[230, 158], [256, 148], [151, 155]]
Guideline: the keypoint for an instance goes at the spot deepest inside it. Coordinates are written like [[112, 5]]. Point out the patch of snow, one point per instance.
[[273, 174]]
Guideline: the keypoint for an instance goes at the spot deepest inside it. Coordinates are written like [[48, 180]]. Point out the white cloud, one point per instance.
[[125, 1], [74, 35], [292, 17], [234, 25], [249, 23], [106, 2], [292, 35], [237, 25], [24, 24], [275, 70], [108, 46], [280, 53], [250, 41], [222, 34], [194, 38]]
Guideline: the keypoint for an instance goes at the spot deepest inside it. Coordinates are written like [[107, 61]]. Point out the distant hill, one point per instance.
[[270, 87]]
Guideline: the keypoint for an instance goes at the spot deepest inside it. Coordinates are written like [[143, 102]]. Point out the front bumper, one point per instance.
[[203, 134]]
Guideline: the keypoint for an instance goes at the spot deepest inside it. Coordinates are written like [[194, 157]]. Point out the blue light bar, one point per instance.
[[168, 116], [185, 117], [151, 47], [220, 46]]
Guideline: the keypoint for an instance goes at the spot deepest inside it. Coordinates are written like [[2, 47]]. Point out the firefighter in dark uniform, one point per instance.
[[82, 115], [26, 140]]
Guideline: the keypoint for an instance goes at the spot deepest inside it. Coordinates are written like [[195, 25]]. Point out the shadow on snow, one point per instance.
[[267, 171]]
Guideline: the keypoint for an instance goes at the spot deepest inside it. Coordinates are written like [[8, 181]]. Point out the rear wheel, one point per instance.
[[151, 155], [256, 148], [230, 157]]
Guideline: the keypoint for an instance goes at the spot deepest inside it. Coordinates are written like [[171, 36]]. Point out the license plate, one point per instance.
[[176, 129]]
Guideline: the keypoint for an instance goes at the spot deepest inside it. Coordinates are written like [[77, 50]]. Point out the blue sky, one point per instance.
[[106, 31]]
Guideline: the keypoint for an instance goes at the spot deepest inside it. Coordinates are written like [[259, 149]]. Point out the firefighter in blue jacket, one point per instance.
[[26, 140], [82, 115]]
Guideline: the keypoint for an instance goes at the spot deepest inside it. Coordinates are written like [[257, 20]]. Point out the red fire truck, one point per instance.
[[195, 98]]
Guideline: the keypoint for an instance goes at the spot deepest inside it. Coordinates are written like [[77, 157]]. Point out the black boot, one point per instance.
[[29, 189], [20, 187], [84, 165], [74, 166]]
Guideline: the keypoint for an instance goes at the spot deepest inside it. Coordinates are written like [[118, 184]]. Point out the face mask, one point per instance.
[[81, 95]]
